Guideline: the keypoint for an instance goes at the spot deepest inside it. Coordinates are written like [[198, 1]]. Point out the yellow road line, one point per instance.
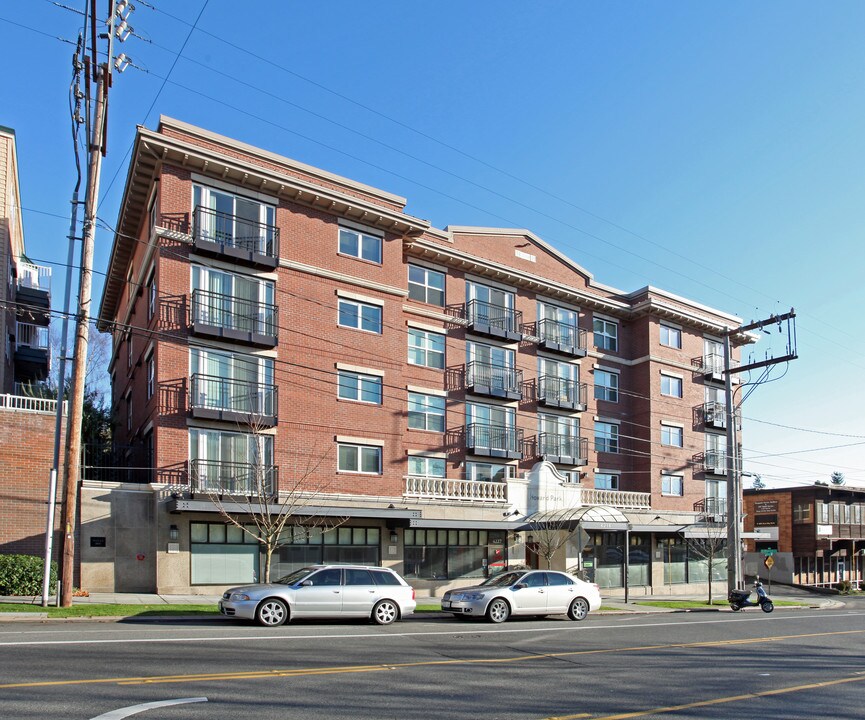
[[729, 699], [345, 669]]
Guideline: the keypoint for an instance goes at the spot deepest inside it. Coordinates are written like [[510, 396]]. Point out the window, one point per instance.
[[426, 466], [360, 316], [426, 412], [672, 485], [129, 412], [606, 334], [441, 554], [359, 387], [490, 366], [221, 380], [671, 386], [360, 245], [606, 481], [488, 472], [359, 459], [305, 546], [222, 553], [235, 302], [151, 294], [557, 324], [672, 435], [231, 462], [234, 221], [151, 375], [606, 437], [671, 336], [426, 348], [129, 350], [426, 285], [490, 306], [606, 386], [823, 510], [570, 476]]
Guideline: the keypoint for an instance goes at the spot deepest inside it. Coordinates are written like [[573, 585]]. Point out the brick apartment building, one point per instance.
[[26, 419], [446, 391], [816, 531]]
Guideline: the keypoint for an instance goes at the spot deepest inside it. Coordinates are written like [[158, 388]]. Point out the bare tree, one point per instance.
[[551, 530], [708, 543], [252, 497]]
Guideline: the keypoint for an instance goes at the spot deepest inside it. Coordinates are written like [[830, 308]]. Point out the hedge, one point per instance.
[[22, 575]]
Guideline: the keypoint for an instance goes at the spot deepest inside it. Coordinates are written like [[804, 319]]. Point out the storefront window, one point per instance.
[[448, 554]]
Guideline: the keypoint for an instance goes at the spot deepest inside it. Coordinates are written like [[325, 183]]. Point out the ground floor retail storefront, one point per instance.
[[137, 538]]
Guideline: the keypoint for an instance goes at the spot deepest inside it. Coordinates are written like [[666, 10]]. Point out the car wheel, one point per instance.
[[498, 611], [272, 612], [385, 612], [579, 609]]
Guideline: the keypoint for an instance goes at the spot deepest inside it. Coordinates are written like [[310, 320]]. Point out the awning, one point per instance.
[[595, 517], [181, 505], [661, 529], [466, 524]]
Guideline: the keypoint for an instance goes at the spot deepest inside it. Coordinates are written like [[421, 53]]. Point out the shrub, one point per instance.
[[22, 575], [844, 587]]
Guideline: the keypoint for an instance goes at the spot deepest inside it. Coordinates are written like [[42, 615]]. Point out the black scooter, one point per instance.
[[739, 599]]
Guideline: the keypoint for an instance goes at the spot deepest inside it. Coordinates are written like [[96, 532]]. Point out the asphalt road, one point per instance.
[[790, 664]]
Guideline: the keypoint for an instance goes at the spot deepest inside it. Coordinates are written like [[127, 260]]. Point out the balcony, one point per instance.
[[33, 292], [563, 449], [711, 367], [216, 477], [436, 488], [715, 415], [216, 398], [494, 441], [235, 238], [234, 319], [31, 352], [561, 393], [714, 508], [715, 462], [493, 320], [494, 380], [561, 337]]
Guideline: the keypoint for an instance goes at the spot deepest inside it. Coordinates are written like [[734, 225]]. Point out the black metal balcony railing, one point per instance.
[[565, 449], [715, 414], [232, 232], [491, 379], [714, 506], [494, 440], [120, 463], [238, 316], [233, 478], [715, 461], [560, 392], [562, 337], [232, 399], [494, 320]]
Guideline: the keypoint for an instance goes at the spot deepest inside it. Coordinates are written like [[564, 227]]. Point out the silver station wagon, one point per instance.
[[323, 591]]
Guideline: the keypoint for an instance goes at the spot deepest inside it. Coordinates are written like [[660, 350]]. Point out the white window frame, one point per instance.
[[359, 307], [151, 375], [425, 285], [426, 461], [609, 391], [669, 433], [431, 404], [670, 336], [472, 467], [426, 349], [375, 450], [672, 382], [613, 481], [129, 412], [609, 440], [360, 239], [668, 480], [362, 380], [151, 293], [607, 331]]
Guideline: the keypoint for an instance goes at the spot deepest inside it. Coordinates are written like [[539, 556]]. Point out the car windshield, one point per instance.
[[503, 580], [295, 577]]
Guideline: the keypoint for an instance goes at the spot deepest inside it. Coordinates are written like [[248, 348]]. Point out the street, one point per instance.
[[790, 664]]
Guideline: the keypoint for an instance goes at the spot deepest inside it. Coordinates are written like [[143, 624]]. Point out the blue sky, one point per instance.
[[713, 149]]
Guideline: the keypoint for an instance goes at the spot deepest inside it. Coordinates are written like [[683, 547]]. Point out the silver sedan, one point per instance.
[[526, 592], [323, 591]]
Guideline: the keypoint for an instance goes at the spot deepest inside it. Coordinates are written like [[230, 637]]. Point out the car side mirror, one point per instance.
[[306, 583], [520, 586]]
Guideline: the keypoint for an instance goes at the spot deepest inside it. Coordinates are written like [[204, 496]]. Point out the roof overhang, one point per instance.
[[594, 517], [465, 524], [152, 149], [182, 505]]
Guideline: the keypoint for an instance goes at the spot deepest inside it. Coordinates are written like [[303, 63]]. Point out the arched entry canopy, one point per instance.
[[594, 517]]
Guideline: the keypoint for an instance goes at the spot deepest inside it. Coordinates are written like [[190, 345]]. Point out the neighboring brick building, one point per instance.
[[817, 531], [443, 389], [26, 420]]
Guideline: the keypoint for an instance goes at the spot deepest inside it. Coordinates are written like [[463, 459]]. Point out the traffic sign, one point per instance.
[[769, 562], [769, 552]]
